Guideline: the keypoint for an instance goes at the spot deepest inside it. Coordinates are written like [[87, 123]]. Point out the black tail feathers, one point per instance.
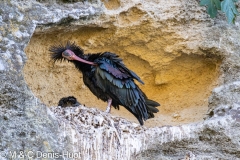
[[151, 107]]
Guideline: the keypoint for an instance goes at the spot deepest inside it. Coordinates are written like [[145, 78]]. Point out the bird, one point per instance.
[[69, 101], [108, 78]]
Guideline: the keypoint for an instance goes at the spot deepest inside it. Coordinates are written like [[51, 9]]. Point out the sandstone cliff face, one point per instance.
[[161, 48], [189, 63]]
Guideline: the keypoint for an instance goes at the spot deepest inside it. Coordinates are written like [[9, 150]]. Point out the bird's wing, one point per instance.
[[114, 65], [117, 81]]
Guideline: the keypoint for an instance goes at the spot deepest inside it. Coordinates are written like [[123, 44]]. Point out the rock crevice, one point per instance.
[[162, 39]]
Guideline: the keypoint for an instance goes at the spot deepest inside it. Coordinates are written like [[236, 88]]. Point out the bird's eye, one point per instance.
[[65, 54]]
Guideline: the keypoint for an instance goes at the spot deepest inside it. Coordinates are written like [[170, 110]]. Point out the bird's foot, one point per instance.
[[108, 109]]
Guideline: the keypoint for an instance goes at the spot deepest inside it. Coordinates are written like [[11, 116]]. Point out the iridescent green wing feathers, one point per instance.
[[117, 81]]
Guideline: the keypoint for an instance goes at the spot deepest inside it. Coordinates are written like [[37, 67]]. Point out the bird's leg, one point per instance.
[[108, 109]]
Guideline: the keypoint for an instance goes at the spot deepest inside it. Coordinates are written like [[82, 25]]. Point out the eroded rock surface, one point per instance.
[[177, 73], [174, 44]]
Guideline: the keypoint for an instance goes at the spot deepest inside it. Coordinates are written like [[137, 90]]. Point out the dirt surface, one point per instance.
[[181, 83]]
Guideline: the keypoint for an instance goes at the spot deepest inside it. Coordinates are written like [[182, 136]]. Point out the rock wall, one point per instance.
[[177, 74], [189, 62]]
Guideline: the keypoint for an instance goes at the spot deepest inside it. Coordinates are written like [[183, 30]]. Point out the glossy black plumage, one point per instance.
[[110, 78]]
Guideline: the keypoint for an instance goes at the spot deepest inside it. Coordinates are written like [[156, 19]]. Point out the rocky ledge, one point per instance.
[[29, 129]]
